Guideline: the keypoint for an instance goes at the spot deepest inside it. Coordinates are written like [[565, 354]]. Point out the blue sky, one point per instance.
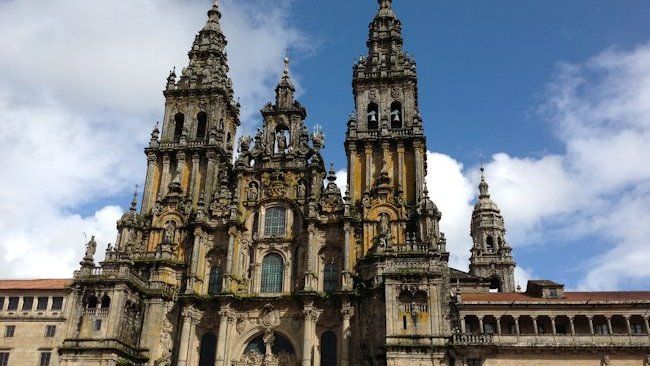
[[551, 93]]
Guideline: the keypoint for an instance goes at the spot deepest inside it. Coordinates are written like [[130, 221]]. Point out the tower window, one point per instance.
[[272, 273], [106, 302], [331, 278], [274, 222], [215, 280], [373, 116], [396, 115], [10, 330], [202, 125], [13, 303], [42, 303], [495, 285], [489, 243], [179, 121], [50, 331], [28, 303], [92, 302]]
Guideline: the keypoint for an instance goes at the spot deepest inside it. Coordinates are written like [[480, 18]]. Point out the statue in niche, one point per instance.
[[253, 192], [301, 189], [168, 234], [384, 224], [282, 141]]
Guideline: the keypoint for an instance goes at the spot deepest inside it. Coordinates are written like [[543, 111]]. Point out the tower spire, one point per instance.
[[483, 187]]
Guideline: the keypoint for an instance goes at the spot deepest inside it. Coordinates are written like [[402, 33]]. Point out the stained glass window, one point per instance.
[[214, 286], [274, 222], [272, 273], [331, 278]]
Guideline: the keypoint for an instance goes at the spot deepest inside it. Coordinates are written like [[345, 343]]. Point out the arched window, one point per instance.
[[328, 349], [373, 116], [489, 243], [331, 278], [106, 302], [396, 115], [179, 121], [202, 125], [500, 241], [214, 286], [208, 349], [272, 273], [92, 302], [274, 221], [495, 284]]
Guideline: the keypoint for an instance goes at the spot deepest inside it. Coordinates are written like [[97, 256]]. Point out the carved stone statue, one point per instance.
[[168, 234], [301, 190], [384, 224], [91, 248], [282, 141], [253, 192]]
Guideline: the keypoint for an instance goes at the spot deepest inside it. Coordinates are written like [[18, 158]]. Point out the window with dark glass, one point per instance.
[[41, 304], [45, 358], [4, 358], [214, 286], [328, 349], [2, 303], [331, 278], [274, 222], [208, 349], [57, 303], [97, 326], [13, 303], [179, 121], [28, 303], [202, 125], [10, 330], [50, 331], [272, 273]]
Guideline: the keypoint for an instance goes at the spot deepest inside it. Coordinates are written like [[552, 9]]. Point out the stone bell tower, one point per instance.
[[491, 255], [401, 257]]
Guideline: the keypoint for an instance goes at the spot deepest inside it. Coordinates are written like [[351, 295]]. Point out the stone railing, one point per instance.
[[550, 340], [472, 339], [410, 247]]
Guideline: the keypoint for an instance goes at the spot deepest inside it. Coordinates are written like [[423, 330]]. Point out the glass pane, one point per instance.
[[274, 222], [328, 349], [331, 277], [57, 303], [42, 303], [272, 272], [214, 286], [13, 303]]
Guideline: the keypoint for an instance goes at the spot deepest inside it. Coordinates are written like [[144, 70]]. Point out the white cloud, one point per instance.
[[80, 89]]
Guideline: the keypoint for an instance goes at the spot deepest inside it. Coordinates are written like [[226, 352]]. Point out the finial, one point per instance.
[[385, 4], [134, 203], [483, 187]]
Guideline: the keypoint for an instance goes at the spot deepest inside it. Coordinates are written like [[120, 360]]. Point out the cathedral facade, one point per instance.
[[247, 253]]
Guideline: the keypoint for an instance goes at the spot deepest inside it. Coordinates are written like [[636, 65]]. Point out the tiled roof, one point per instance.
[[41, 284], [568, 296], [458, 274]]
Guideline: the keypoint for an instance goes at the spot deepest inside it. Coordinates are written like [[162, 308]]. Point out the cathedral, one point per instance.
[[246, 252]]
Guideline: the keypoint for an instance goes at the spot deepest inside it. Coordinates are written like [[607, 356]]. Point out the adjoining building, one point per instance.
[[258, 258]]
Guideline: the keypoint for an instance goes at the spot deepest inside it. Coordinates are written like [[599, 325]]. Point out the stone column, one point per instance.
[[517, 325], [191, 316], [463, 326], [346, 280], [628, 325], [369, 166], [573, 326], [195, 184], [553, 325], [308, 333], [419, 170], [647, 325], [224, 313], [347, 312], [480, 325], [609, 325], [535, 325], [352, 157], [198, 237], [232, 233], [309, 268], [498, 318], [400, 162], [147, 192], [591, 324], [209, 178], [164, 181]]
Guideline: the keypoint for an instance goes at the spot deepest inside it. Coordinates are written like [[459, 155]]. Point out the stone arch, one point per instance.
[[243, 341]]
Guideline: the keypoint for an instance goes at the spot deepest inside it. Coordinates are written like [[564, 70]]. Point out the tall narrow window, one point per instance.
[[106, 302], [272, 273], [50, 331], [274, 221], [331, 278], [45, 358], [214, 287], [179, 121], [208, 349], [57, 303], [373, 116], [10, 330], [489, 243], [13, 303], [28, 303], [42, 303], [202, 125], [328, 349], [396, 115], [4, 358]]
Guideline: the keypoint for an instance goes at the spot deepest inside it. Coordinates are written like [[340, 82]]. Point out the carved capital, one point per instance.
[[312, 314], [347, 311], [192, 314]]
